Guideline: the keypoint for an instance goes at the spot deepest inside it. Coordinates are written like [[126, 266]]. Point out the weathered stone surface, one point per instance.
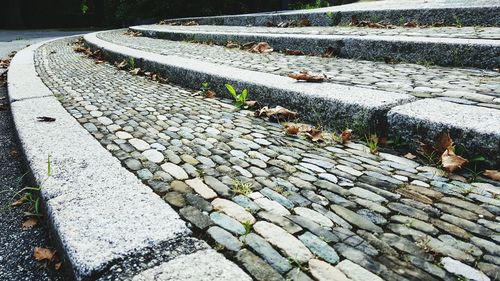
[[462, 269], [201, 188], [356, 219], [284, 241], [267, 252], [356, 272], [322, 271], [314, 216], [259, 269], [196, 217], [272, 206], [233, 210], [285, 223], [175, 171], [227, 223], [224, 238], [319, 247]]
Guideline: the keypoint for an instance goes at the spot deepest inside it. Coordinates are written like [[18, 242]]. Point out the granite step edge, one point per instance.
[[100, 214], [481, 53], [362, 108]]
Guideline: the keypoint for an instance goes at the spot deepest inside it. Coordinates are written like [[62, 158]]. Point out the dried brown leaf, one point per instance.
[[294, 52], [346, 135], [19, 202], [315, 135], [443, 143], [232, 45], [278, 113], [492, 174], [251, 104], [58, 266], [330, 52], [308, 76], [43, 254], [410, 156], [29, 223], [261, 48], [452, 162], [190, 23], [297, 128], [210, 94], [136, 71], [122, 65], [411, 24]]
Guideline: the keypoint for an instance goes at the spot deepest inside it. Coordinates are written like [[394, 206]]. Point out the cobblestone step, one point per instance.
[[107, 223], [440, 83], [347, 42], [462, 12], [278, 206], [363, 108]]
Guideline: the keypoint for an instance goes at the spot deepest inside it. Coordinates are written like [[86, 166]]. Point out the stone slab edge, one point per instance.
[[99, 212], [482, 53], [477, 129], [468, 16], [338, 105]]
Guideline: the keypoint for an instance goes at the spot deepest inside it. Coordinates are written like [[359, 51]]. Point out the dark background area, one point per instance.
[[31, 14]]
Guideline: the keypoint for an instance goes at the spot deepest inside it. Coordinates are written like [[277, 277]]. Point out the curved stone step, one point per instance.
[[356, 43], [336, 105], [316, 204], [460, 85], [463, 12], [105, 220]]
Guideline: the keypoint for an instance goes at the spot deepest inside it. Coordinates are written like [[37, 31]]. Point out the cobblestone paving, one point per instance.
[[279, 206], [465, 86], [440, 32]]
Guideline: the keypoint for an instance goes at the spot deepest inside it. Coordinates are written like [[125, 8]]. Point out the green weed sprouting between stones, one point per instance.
[[248, 227], [240, 99], [372, 143], [241, 187], [131, 62], [30, 195], [204, 87]]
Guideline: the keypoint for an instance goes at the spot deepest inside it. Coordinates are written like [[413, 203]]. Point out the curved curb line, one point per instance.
[[360, 106], [99, 211], [443, 51]]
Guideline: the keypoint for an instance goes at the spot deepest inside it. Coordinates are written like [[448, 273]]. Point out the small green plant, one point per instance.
[[84, 7], [219, 247], [248, 227], [372, 143], [240, 99], [205, 87], [330, 14], [131, 62], [49, 168], [425, 63], [458, 22], [402, 21], [316, 4], [241, 187]]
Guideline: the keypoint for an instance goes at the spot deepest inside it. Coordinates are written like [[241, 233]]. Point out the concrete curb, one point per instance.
[[470, 15], [359, 108], [481, 53], [477, 129], [100, 213]]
